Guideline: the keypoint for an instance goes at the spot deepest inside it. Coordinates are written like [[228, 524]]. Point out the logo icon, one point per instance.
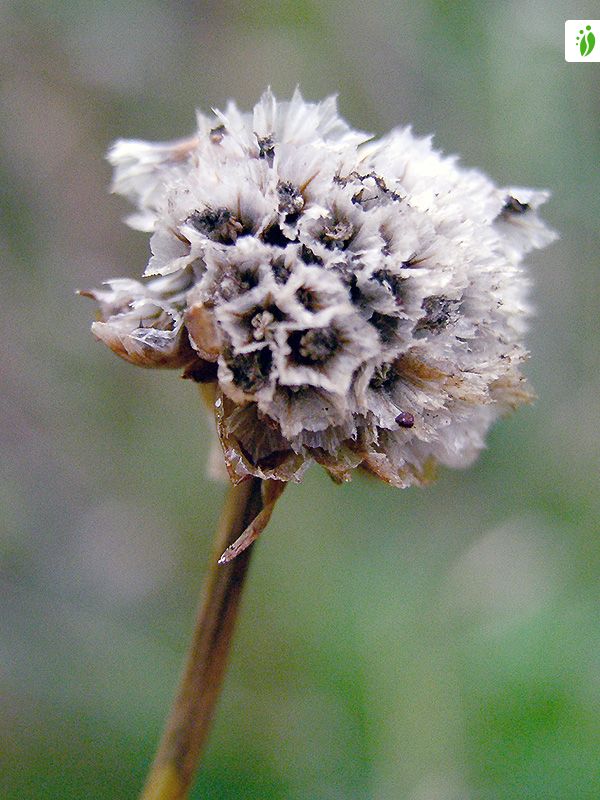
[[586, 40], [580, 40]]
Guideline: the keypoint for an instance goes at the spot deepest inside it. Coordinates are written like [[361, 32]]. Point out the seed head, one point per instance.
[[355, 302]]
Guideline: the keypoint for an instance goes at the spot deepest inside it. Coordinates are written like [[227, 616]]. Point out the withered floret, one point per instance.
[[352, 304]]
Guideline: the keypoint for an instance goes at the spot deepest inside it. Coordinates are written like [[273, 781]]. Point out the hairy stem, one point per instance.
[[191, 715]]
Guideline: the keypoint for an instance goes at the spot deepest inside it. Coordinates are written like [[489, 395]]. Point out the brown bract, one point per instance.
[[200, 324]]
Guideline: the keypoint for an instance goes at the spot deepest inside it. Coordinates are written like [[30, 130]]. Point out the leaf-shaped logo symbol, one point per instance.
[[590, 40], [587, 41]]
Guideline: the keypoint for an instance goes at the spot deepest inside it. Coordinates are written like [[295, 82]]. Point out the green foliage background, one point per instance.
[[438, 644]]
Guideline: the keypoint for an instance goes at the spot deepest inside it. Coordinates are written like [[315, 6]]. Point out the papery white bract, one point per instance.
[[356, 303]]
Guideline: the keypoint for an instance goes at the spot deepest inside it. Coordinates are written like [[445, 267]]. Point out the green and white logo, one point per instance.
[[586, 40], [580, 40]]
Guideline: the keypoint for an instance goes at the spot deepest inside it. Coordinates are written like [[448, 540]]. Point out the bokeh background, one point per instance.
[[438, 644]]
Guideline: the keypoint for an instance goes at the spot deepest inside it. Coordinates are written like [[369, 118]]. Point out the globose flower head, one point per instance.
[[352, 302]]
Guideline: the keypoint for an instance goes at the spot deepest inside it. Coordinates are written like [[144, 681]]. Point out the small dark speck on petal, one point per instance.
[[216, 135], [266, 148], [514, 206]]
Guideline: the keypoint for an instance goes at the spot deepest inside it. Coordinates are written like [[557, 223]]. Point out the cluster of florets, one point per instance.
[[354, 303]]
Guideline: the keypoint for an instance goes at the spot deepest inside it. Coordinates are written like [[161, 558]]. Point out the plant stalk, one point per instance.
[[189, 721]]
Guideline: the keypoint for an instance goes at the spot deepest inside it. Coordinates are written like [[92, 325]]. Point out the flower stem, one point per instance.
[[191, 715]]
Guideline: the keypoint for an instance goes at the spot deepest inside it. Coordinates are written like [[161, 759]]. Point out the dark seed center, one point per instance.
[[314, 346], [218, 224], [437, 314], [393, 283], [337, 235], [291, 201], [307, 255], [281, 272], [275, 236], [261, 318], [384, 377], [251, 370], [266, 148], [386, 326], [308, 298]]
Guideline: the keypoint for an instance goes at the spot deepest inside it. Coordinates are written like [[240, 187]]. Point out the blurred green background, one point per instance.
[[438, 644]]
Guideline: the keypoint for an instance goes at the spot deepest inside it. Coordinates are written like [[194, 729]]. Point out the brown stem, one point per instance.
[[189, 722]]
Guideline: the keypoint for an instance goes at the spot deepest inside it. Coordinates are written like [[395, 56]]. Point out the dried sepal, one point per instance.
[[271, 491], [340, 464], [144, 347], [143, 323], [253, 445], [387, 469]]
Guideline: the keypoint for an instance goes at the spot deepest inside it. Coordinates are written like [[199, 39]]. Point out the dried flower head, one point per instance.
[[355, 303]]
